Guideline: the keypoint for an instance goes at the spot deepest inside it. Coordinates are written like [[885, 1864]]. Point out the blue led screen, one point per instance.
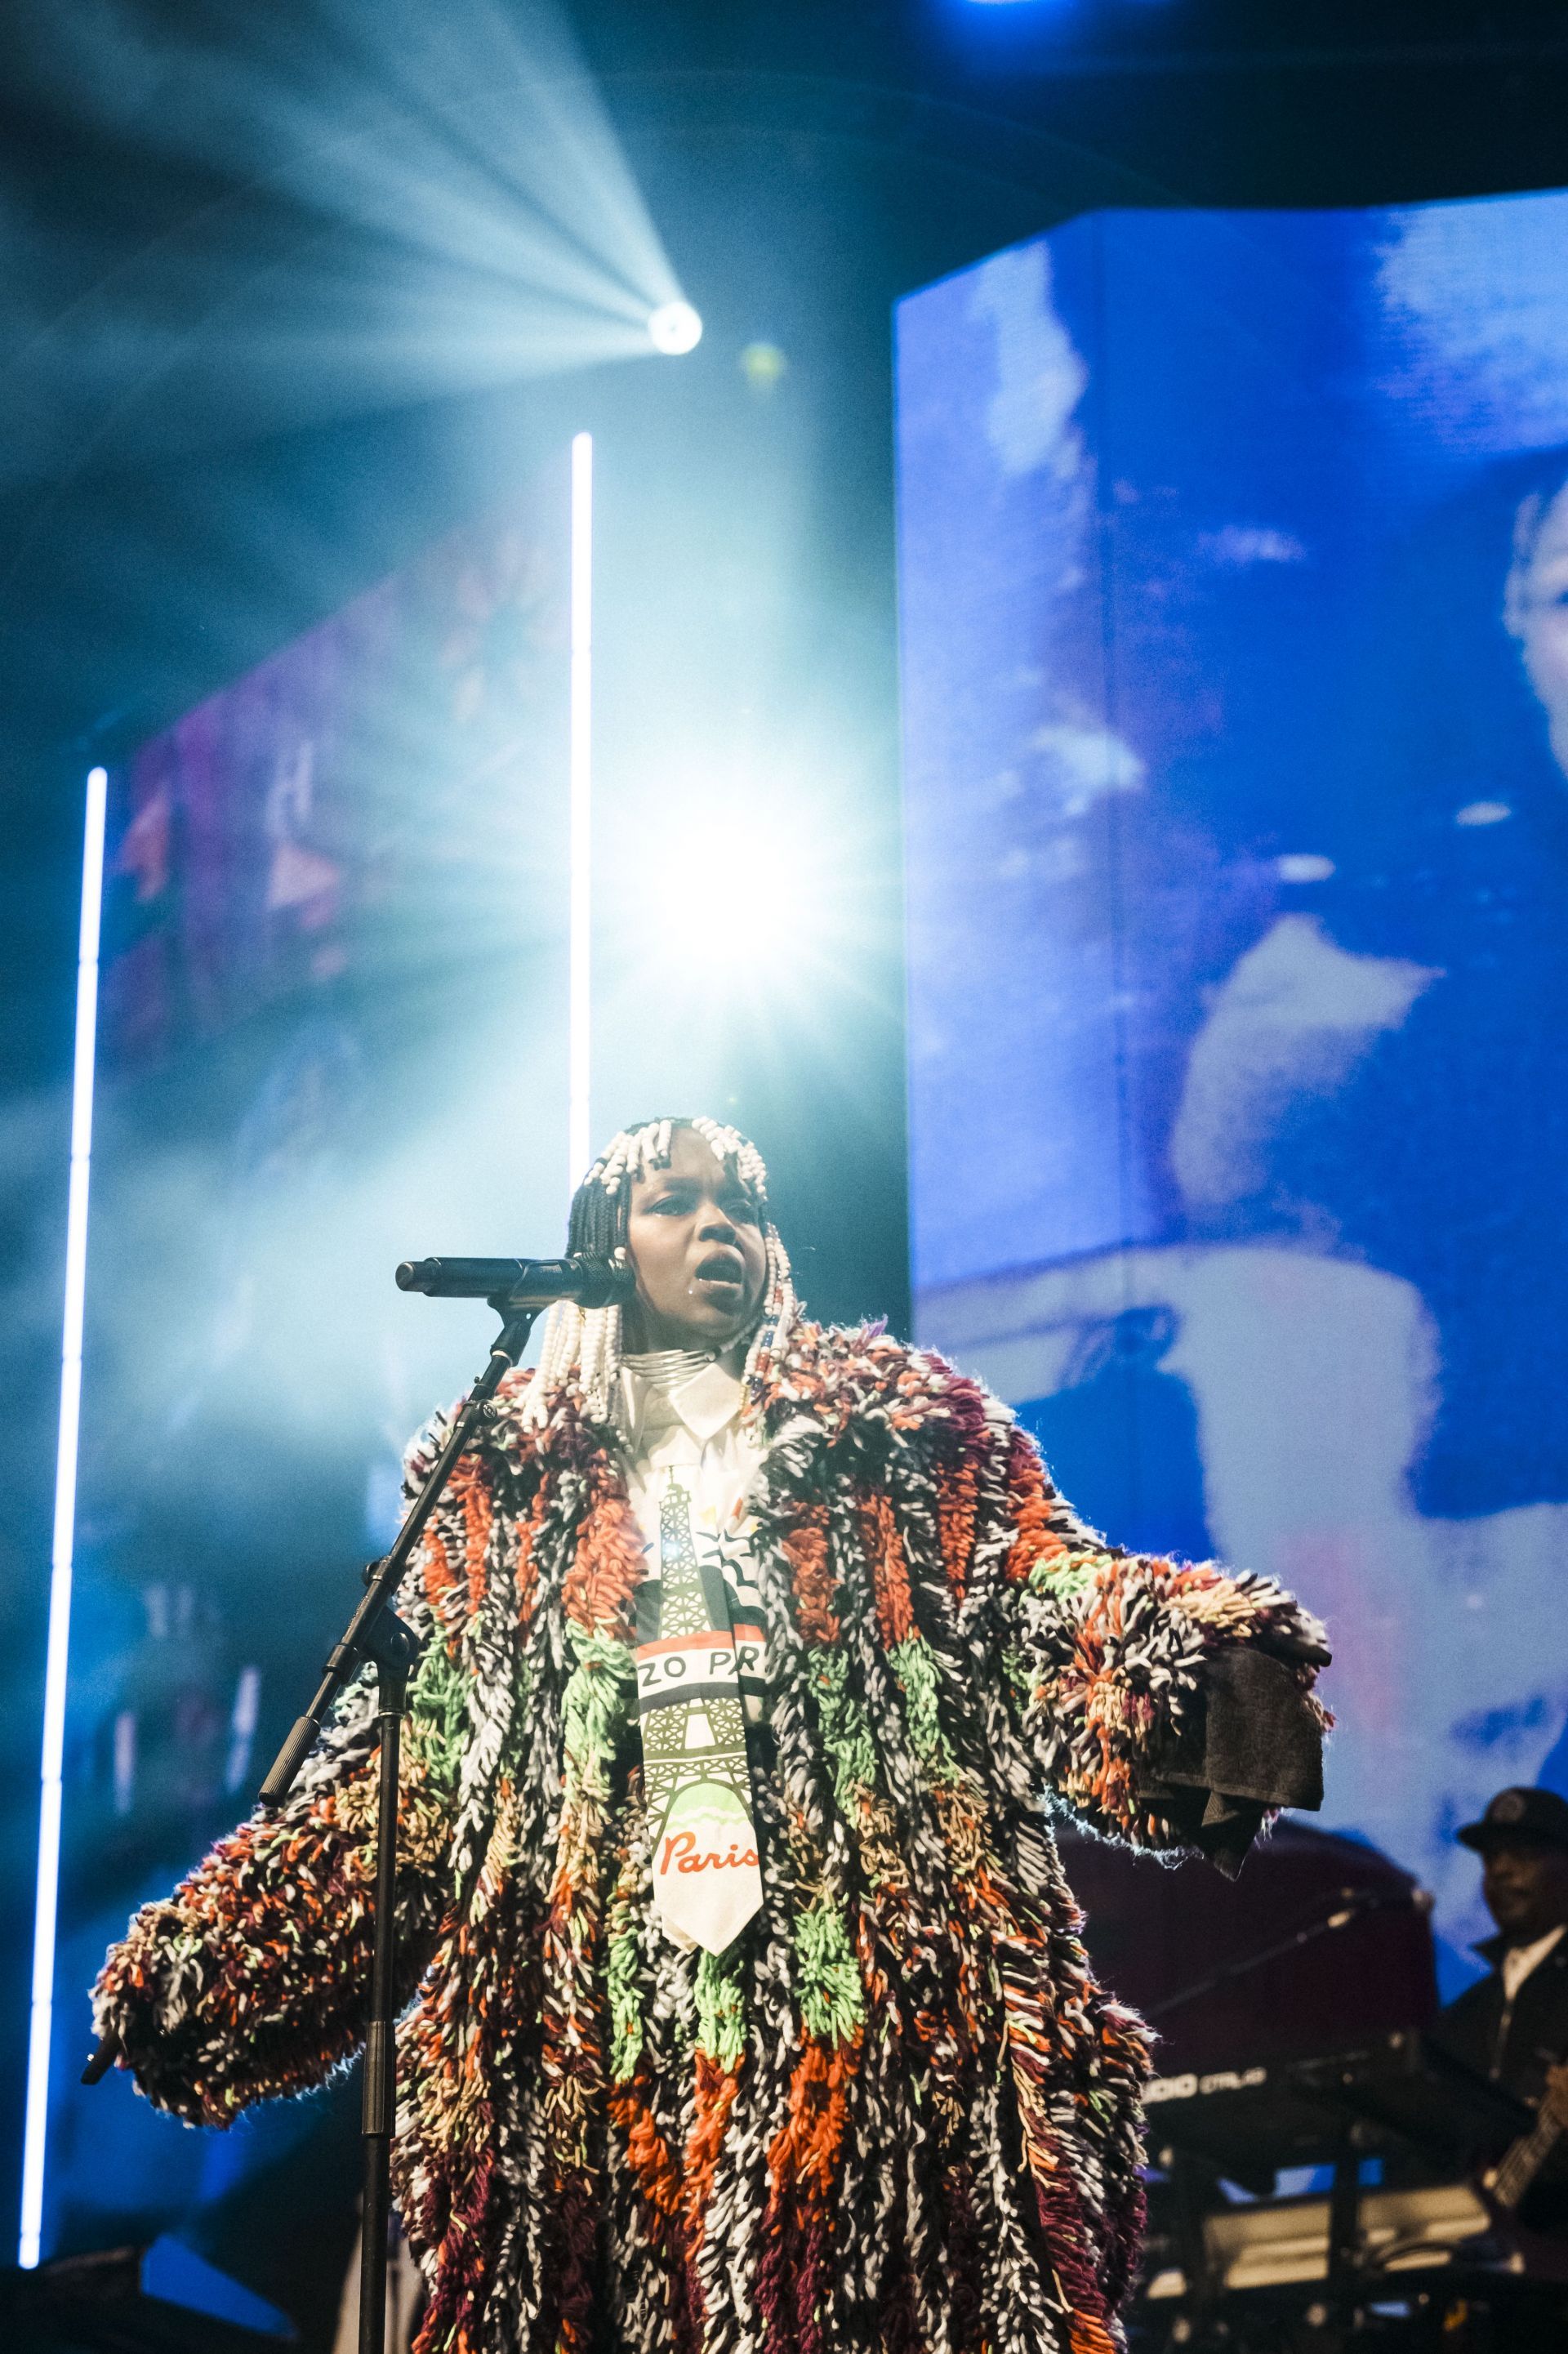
[[1233, 554]]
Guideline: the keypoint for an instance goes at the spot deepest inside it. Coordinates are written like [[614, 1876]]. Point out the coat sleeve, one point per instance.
[[1168, 1703], [253, 1977]]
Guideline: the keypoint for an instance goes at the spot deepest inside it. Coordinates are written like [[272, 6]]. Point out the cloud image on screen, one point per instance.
[[1234, 579]]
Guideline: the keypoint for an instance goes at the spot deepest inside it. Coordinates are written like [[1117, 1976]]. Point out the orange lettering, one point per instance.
[[680, 1854]]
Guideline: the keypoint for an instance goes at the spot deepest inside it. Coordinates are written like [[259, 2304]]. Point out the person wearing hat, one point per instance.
[[1512, 2025]]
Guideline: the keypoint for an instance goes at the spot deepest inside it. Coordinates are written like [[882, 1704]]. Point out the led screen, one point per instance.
[[1234, 620], [331, 1036]]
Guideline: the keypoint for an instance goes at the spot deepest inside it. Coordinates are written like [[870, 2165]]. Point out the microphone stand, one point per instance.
[[1351, 1904], [377, 1637], [1344, 2254]]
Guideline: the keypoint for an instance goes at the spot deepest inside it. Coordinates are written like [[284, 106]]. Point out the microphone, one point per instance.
[[519, 1283]]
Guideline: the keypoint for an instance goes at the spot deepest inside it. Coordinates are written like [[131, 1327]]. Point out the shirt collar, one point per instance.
[[1496, 1949], [1525, 1957], [676, 1385]]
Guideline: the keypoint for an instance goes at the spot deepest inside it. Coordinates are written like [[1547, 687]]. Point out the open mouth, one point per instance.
[[721, 1269]]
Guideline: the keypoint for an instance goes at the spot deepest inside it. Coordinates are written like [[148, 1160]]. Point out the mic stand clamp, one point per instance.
[[376, 1637]]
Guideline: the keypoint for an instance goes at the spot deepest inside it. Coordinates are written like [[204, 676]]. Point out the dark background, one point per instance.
[[805, 165]]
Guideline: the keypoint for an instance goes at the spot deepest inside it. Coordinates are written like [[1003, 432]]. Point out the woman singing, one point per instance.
[[748, 2004]]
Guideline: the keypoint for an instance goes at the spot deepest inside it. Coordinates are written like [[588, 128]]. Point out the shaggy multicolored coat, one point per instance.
[[899, 2114]]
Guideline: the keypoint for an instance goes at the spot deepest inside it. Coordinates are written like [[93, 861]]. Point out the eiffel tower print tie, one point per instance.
[[707, 1882]]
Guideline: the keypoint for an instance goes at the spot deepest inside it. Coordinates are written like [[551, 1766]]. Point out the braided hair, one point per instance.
[[582, 1347]]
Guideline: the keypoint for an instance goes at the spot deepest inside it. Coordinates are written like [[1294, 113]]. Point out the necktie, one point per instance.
[[707, 1882]]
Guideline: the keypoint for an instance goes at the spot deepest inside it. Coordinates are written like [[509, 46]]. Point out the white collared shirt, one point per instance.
[[1520, 1960], [682, 1420]]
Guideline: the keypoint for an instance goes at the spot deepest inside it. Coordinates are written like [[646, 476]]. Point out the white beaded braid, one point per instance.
[[582, 1347]]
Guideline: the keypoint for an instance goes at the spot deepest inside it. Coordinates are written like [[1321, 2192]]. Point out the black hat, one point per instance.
[[1537, 1814]]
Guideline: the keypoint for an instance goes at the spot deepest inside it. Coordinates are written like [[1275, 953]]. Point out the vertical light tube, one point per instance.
[[579, 920], [63, 1550]]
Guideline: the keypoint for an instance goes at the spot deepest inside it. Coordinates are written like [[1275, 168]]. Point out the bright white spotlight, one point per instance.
[[762, 848], [674, 328]]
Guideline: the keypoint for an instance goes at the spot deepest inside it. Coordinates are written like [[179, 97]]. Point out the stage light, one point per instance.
[[477, 224], [47, 1900], [766, 849], [674, 328]]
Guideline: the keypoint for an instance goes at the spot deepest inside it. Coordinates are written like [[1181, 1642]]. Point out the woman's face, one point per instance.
[[1536, 612], [695, 1240]]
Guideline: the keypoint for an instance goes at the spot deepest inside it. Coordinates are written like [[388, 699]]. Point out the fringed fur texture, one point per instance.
[[899, 2116]]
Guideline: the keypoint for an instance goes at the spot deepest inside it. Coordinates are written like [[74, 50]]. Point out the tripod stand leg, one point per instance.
[[1344, 2238]]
